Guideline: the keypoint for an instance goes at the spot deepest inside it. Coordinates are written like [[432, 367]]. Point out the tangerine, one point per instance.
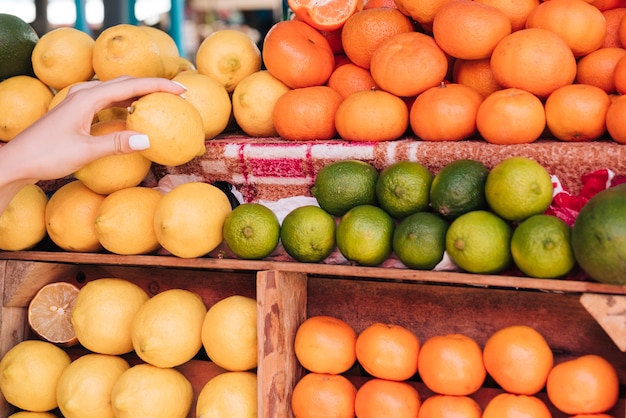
[[508, 405], [323, 395], [598, 68], [386, 398], [323, 16], [619, 76], [476, 74], [613, 19], [350, 78], [516, 10], [448, 406], [615, 119]]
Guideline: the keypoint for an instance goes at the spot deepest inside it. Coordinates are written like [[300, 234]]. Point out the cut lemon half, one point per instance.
[[49, 313]]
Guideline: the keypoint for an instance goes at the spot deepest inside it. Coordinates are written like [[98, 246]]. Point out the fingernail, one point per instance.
[[139, 142], [180, 84]]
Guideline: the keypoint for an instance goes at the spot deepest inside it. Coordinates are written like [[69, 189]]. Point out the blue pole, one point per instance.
[[81, 20], [177, 18], [132, 18]]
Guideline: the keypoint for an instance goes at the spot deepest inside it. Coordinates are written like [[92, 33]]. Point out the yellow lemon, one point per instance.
[[185, 64], [115, 112], [84, 388], [22, 224], [103, 313], [168, 50], [29, 414], [49, 313], [230, 394], [23, 100], [189, 219], [28, 365], [61, 94]]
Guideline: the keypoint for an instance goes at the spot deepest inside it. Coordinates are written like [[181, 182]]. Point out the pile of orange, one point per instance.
[[440, 378]]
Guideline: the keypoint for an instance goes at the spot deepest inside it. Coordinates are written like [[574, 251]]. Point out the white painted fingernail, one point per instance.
[[139, 142], [180, 84]]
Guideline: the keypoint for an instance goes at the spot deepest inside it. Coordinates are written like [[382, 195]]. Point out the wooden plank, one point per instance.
[[610, 312], [23, 279]]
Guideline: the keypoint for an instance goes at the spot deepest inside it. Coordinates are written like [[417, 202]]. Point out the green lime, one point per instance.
[[479, 242], [364, 235], [252, 231], [308, 234], [599, 236], [403, 188], [342, 185], [541, 247], [518, 187], [459, 188], [17, 41], [419, 240]]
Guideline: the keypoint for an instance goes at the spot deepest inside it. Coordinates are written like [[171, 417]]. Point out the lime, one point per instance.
[[518, 187], [599, 236], [403, 188], [342, 185], [419, 240], [365, 234], [479, 242], [17, 41], [541, 247], [308, 234], [252, 231], [459, 188]]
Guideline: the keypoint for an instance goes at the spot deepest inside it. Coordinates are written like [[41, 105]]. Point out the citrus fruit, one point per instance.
[[84, 387], [451, 364], [325, 344], [598, 236], [518, 358], [30, 414], [541, 247], [508, 405], [458, 188], [22, 223], [18, 39], [229, 394], [598, 68], [145, 390], [516, 10], [32, 364], [103, 313], [229, 333], [476, 74], [388, 351], [403, 188], [23, 100], [350, 78], [518, 187], [323, 16], [252, 231], [49, 313], [613, 18], [168, 50], [419, 240], [365, 235], [308, 234], [479, 242], [189, 219], [323, 395], [449, 406], [342, 185], [386, 398], [613, 117], [165, 330]]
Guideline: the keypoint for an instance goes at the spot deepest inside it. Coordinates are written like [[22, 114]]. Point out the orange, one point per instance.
[[422, 11], [334, 40], [621, 32], [580, 24], [511, 116], [587, 384], [476, 74], [577, 112], [516, 10], [469, 30], [592, 416], [372, 115], [615, 119], [613, 19], [329, 15], [445, 113], [372, 4], [597, 68], [350, 78], [325, 344], [619, 76], [448, 406], [519, 359], [536, 60], [408, 63], [388, 351], [366, 29], [323, 395], [451, 364], [297, 54], [306, 113], [508, 405], [386, 398]]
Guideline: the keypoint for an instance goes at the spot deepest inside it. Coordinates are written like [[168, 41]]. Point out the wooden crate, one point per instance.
[[428, 303]]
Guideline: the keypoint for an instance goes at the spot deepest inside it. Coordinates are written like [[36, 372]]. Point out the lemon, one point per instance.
[[125, 221], [29, 373], [61, 94], [252, 231], [365, 234], [23, 100], [168, 50], [84, 388], [17, 41], [342, 185], [479, 242], [166, 329], [403, 188], [229, 333], [189, 219], [50, 310], [103, 313], [308, 234], [419, 240], [229, 394], [29, 414], [541, 247], [145, 390], [23, 224], [518, 187]]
